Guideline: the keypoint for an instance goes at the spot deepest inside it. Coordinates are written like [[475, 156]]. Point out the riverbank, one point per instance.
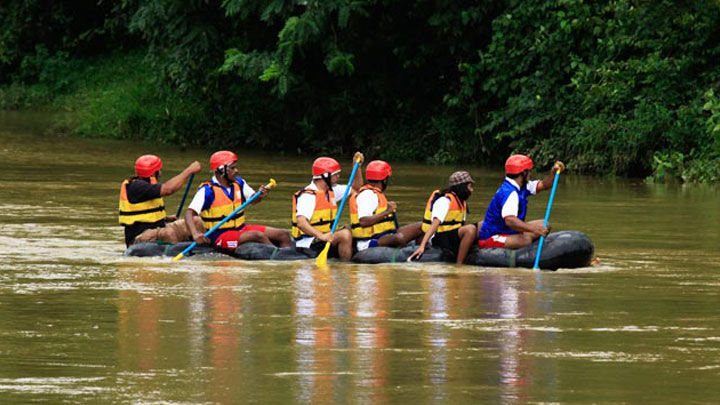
[[113, 96], [119, 96]]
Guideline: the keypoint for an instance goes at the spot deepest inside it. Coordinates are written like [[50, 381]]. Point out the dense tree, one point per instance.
[[626, 87]]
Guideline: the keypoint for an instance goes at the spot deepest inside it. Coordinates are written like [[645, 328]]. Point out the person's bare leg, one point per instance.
[[343, 240], [279, 237], [467, 235], [403, 235], [253, 236], [518, 241]]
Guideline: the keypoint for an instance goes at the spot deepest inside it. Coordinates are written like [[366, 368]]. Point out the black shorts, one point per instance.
[[449, 241], [317, 246]]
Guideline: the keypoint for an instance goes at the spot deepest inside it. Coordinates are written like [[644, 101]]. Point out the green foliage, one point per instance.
[[602, 84], [623, 87]]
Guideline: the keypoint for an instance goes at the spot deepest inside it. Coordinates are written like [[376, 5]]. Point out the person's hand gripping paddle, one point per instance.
[[321, 260], [270, 185]]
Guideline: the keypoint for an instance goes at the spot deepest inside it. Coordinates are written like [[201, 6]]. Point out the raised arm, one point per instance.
[[174, 184], [358, 181], [547, 182]]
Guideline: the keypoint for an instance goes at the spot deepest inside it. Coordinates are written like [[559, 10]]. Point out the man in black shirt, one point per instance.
[[141, 197]]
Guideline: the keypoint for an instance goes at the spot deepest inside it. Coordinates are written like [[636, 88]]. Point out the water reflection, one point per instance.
[[320, 312], [372, 297], [350, 336]]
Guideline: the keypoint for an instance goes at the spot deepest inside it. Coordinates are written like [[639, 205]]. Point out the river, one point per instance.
[[80, 323]]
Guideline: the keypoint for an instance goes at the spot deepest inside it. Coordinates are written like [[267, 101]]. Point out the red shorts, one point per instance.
[[495, 241], [228, 240]]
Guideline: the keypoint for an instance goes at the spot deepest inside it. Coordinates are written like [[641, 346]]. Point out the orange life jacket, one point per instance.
[[455, 217], [323, 216], [222, 206], [384, 226]]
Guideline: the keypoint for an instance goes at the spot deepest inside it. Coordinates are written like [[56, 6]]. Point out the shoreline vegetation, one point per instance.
[[612, 88]]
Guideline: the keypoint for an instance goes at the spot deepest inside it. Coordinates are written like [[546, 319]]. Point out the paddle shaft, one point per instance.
[[187, 188], [321, 259], [227, 218], [347, 191], [547, 217]]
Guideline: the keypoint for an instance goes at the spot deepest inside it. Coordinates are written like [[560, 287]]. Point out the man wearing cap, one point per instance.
[[372, 217], [218, 198], [141, 204], [504, 225], [314, 209], [444, 219]]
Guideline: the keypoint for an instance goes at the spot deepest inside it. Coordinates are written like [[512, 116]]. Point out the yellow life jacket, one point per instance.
[[147, 211], [385, 226], [323, 216], [222, 206], [455, 217]]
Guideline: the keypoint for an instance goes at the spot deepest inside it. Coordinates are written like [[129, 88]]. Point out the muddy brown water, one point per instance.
[[80, 323]]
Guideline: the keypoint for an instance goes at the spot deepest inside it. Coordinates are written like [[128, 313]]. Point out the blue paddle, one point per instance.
[[238, 209], [187, 188], [547, 216], [321, 260]]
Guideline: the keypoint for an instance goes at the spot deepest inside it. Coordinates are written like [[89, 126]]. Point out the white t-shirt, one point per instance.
[[198, 202], [439, 211], [367, 202], [306, 206], [512, 204]]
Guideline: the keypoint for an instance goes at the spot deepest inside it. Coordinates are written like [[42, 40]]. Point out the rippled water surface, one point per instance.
[[81, 323]]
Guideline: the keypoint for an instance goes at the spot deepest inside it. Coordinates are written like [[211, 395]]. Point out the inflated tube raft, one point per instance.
[[247, 251], [152, 249], [565, 249]]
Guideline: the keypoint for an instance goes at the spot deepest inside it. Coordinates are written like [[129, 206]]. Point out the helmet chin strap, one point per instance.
[[222, 171], [326, 177]]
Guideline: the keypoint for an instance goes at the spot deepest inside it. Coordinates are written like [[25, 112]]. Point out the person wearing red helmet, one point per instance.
[[504, 225], [141, 204], [314, 209], [218, 198], [372, 217]]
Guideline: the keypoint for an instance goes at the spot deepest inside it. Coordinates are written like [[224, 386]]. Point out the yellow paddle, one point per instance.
[[272, 184], [321, 260]]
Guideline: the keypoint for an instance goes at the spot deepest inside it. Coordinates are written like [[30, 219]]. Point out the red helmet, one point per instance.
[[378, 170], [222, 158], [517, 164], [324, 165], [147, 165]]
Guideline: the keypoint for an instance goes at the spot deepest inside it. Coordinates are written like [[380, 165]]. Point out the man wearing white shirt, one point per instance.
[[315, 208], [504, 225], [218, 198], [372, 217]]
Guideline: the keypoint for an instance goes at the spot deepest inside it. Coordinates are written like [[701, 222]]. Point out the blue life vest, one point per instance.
[[494, 224]]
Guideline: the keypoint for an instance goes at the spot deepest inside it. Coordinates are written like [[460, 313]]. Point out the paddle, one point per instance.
[[187, 188], [547, 216], [238, 209], [321, 260]]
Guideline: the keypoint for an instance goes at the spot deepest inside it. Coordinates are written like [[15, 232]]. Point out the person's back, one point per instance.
[[141, 204]]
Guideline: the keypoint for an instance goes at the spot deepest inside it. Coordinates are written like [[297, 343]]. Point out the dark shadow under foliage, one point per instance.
[[621, 87]]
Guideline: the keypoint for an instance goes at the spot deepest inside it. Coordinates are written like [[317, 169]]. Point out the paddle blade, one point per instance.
[[321, 260], [178, 257]]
